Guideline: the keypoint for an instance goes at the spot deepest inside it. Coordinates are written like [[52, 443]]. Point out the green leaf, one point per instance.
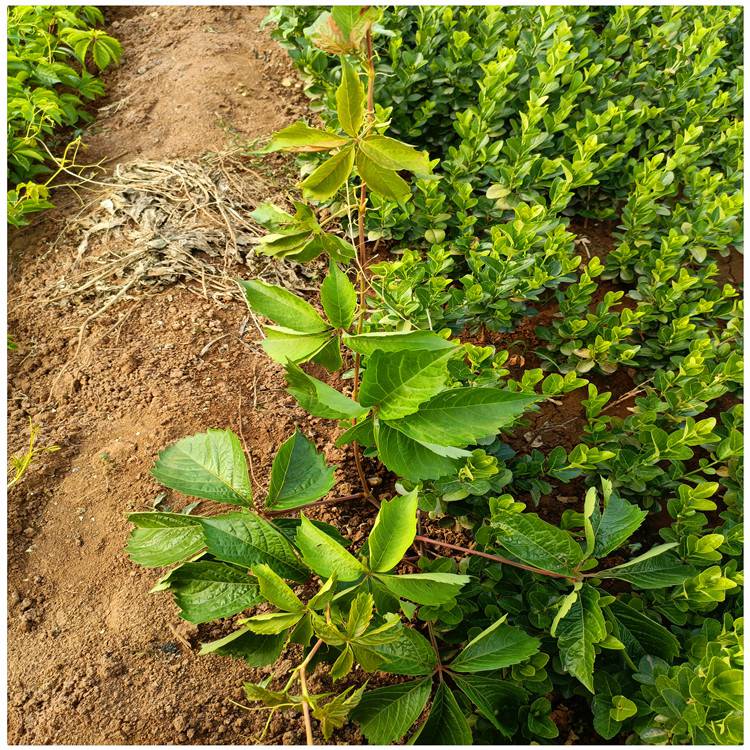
[[272, 623], [388, 153], [318, 398], [362, 433], [284, 346], [289, 526], [398, 382], [728, 686], [461, 416], [384, 182], [395, 341], [385, 715], [537, 542], [350, 99], [360, 615], [206, 591], [446, 724], [282, 307], [577, 634], [333, 714], [425, 588], [409, 459], [330, 355], [247, 540], [653, 570], [276, 590], [615, 526], [622, 708], [301, 137], [325, 556], [641, 635], [410, 654], [496, 700], [161, 539], [393, 532], [256, 650], [324, 182], [299, 475], [338, 297], [210, 465], [497, 646]]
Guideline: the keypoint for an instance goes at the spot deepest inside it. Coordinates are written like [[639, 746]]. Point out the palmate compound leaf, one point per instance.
[[536, 542], [301, 137], [393, 532], [338, 297], [333, 714], [318, 398], [460, 416], [446, 723], [210, 465], [398, 382], [299, 475], [206, 590], [410, 654], [655, 569], [282, 307], [325, 556], [325, 181], [577, 634], [497, 646], [385, 714], [246, 539], [161, 539]]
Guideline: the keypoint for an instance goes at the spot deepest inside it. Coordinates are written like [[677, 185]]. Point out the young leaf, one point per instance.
[[410, 654], [446, 724], [577, 634], [388, 153], [425, 588], [395, 341], [461, 416], [653, 570], [496, 700], [350, 99], [385, 715], [210, 465], [325, 556], [301, 137], [616, 524], [299, 475], [333, 714], [284, 346], [282, 307], [384, 182], [537, 542], [206, 590], [161, 539], [256, 650], [393, 532], [497, 646], [360, 615], [409, 459], [318, 398], [398, 382], [641, 635], [338, 297], [272, 623], [325, 181], [246, 540], [275, 589]]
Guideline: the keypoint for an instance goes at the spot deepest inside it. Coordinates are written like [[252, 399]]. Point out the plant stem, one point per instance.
[[496, 558], [362, 258], [305, 694]]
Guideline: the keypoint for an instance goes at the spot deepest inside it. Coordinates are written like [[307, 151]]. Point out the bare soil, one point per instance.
[[93, 658]]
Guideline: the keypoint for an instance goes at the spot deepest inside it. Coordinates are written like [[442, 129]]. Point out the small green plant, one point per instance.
[[19, 464]]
